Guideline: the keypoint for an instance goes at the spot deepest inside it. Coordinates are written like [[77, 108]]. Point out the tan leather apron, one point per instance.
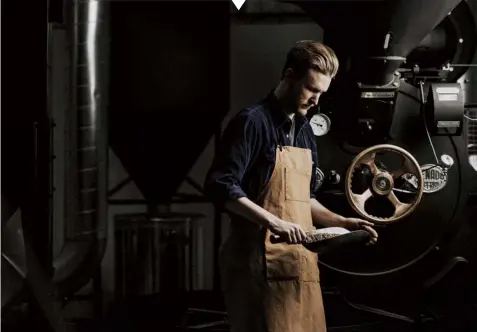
[[275, 287]]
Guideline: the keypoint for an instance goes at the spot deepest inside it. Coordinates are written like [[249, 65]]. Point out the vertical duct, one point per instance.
[[86, 146]]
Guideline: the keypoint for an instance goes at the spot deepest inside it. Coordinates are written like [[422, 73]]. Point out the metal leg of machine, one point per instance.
[[39, 290], [42, 290]]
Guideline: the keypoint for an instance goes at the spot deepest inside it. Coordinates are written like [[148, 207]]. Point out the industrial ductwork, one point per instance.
[[87, 147]]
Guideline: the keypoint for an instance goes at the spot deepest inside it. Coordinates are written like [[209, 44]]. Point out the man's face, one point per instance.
[[306, 91]]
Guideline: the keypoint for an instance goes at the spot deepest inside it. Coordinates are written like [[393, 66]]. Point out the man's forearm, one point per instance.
[[247, 209], [324, 217]]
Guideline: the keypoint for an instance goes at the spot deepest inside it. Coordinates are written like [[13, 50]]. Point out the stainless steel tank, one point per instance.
[[154, 254]]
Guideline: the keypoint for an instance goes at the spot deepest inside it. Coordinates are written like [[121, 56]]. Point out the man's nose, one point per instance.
[[315, 99]]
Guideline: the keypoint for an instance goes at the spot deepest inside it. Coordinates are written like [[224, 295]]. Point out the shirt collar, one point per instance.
[[279, 117]]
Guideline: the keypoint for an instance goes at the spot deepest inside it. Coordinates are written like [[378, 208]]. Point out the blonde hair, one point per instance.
[[309, 54]]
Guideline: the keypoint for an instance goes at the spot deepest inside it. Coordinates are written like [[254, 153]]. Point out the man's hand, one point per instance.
[[292, 233], [354, 224]]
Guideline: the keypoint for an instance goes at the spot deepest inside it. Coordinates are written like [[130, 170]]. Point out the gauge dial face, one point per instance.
[[320, 124]]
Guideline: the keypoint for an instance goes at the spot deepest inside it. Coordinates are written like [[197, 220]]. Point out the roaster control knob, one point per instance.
[[447, 160], [334, 177]]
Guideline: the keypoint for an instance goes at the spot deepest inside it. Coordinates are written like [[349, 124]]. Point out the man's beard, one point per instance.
[[289, 103], [292, 102], [306, 107]]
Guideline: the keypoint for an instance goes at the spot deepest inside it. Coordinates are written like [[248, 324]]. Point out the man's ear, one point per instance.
[[289, 74]]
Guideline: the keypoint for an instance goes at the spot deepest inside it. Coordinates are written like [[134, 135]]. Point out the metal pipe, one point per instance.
[[87, 147]]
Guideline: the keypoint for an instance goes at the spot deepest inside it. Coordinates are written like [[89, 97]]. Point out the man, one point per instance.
[[264, 174]]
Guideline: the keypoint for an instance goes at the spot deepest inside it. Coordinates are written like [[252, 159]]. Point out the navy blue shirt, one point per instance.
[[245, 159]]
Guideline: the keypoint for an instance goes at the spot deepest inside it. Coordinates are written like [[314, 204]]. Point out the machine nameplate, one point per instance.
[[447, 97], [377, 94], [435, 178], [447, 89], [444, 124]]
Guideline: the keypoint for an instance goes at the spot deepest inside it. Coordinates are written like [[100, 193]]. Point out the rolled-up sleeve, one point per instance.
[[238, 147]]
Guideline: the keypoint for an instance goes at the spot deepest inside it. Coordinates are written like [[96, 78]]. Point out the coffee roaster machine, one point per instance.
[[394, 135]]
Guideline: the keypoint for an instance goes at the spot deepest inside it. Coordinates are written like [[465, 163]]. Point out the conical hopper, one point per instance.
[[169, 88], [377, 35]]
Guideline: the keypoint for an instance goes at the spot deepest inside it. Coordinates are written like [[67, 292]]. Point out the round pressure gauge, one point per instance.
[[320, 124]]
